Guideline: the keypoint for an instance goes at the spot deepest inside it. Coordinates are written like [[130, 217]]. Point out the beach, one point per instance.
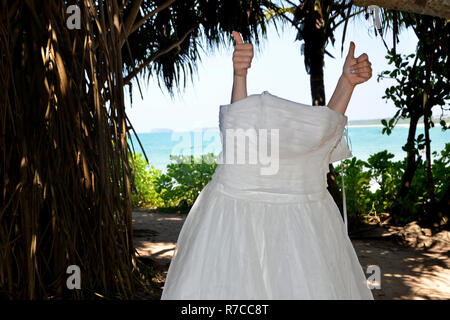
[[413, 262]]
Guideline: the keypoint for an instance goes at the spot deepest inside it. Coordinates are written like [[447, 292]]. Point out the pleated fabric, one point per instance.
[[270, 236]]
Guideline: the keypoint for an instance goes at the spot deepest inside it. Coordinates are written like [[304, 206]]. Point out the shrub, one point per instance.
[[388, 175], [144, 193], [362, 202], [185, 179], [359, 199], [188, 175]]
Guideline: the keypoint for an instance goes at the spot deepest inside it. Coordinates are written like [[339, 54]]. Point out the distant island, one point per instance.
[[168, 130], [374, 122], [365, 122], [160, 130]]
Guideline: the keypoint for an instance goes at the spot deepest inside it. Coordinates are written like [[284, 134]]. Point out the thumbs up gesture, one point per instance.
[[356, 70], [242, 56]]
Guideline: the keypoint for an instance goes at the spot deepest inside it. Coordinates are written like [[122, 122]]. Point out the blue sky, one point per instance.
[[277, 67]]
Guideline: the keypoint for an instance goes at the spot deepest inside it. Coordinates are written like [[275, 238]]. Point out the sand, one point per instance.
[[414, 263]]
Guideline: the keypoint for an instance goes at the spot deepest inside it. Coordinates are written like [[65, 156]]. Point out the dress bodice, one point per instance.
[[277, 146], [255, 234]]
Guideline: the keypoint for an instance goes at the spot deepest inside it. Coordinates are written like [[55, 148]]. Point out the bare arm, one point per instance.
[[341, 95], [355, 71], [242, 59], [239, 88]]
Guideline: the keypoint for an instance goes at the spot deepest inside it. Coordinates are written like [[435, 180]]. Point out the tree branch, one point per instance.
[[155, 56], [346, 18], [151, 14], [129, 21]]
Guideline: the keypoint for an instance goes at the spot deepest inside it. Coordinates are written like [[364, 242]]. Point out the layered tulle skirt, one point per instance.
[[252, 247]]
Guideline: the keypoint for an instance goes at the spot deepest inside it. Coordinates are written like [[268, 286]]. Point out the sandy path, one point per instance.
[[408, 272]]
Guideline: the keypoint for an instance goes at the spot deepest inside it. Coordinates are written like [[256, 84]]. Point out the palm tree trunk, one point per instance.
[[316, 74], [65, 173], [316, 51]]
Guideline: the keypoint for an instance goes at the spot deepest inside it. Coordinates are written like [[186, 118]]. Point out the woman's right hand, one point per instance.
[[242, 56]]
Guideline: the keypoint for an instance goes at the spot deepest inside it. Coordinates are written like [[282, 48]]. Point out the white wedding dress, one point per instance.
[[253, 235]]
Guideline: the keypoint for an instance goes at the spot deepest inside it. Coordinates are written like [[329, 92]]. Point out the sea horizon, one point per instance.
[[364, 141], [351, 123]]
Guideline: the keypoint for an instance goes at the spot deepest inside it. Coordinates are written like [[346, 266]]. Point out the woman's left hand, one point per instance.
[[356, 70]]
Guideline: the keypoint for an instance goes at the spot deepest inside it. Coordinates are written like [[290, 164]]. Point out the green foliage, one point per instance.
[[359, 199], [362, 202], [178, 188], [418, 197], [144, 193], [168, 46], [388, 175], [420, 84], [410, 75], [185, 179], [406, 93], [441, 171]]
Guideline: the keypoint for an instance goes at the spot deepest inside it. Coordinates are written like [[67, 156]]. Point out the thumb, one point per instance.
[[237, 37], [351, 51]]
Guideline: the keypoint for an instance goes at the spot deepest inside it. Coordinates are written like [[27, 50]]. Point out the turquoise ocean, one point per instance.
[[363, 141]]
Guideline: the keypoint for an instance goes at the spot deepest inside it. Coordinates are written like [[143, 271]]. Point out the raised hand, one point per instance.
[[242, 56], [356, 70]]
